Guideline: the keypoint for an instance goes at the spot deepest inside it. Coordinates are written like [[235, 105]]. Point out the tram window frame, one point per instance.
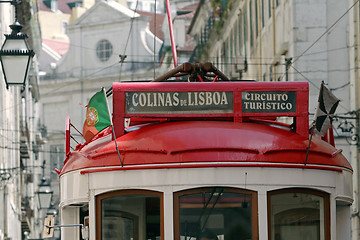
[[129, 192], [324, 195], [254, 204]]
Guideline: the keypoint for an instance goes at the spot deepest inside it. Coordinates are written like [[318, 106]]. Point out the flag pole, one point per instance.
[[112, 128], [327, 104], [308, 148]]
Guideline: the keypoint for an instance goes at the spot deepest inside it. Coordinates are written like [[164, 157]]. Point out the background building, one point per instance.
[[97, 41], [248, 40], [20, 137], [290, 41]]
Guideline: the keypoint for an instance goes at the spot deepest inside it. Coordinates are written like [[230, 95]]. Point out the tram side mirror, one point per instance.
[[49, 226]]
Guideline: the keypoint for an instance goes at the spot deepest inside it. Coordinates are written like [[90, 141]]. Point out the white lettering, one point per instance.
[[168, 100], [149, 103], [161, 99], [134, 102], [176, 99], [208, 98], [224, 100], [142, 99], [216, 98], [288, 106], [190, 102], [201, 98]]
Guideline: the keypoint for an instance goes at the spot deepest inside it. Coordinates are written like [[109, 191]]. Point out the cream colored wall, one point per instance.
[[76, 13], [51, 25]]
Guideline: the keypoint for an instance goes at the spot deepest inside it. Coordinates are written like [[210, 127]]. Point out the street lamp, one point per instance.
[[45, 194], [15, 54]]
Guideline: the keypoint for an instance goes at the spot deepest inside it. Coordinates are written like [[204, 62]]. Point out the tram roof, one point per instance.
[[205, 144]]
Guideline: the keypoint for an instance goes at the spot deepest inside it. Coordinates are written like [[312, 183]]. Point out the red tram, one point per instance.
[[207, 158]]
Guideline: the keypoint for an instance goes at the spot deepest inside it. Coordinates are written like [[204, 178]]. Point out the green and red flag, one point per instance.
[[97, 116]]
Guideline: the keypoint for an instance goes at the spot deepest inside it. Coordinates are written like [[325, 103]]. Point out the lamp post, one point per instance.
[[15, 54], [45, 194]]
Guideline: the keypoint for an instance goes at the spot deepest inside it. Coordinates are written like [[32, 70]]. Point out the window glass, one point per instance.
[[298, 214], [269, 8], [57, 153], [215, 213], [104, 50], [262, 13], [130, 216], [250, 24]]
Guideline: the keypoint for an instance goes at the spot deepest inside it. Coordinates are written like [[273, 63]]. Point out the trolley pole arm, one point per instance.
[[66, 225], [49, 227], [171, 28]]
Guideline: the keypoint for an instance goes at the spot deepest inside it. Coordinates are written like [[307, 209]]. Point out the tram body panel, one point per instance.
[[170, 181], [252, 178], [257, 174], [74, 189]]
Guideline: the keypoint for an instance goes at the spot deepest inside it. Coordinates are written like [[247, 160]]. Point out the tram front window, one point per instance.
[[129, 216], [299, 214], [215, 213]]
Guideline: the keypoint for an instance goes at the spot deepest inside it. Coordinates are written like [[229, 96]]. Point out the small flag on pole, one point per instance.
[[327, 104], [97, 116]]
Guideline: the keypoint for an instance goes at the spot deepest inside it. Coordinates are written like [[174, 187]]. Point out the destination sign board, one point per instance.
[[237, 101], [268, 101], [184, 102]]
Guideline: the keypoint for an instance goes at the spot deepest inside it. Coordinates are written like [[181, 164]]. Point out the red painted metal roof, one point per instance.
[[58, 46], [221, 143]]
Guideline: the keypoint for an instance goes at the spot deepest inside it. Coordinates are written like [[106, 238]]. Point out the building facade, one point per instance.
[[107, 43], [20, 137], [277, 40], [354, 66]]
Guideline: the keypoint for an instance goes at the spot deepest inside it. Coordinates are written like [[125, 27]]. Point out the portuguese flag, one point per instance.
[[97, 116]]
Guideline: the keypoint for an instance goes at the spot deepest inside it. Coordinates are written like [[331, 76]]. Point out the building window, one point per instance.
[[262, 13], [256, 19], [269, 6], [245, 30], [218, 211], [104, 50], [240, 35], [139, 6], [57, 155], [298, 214], [251, 25], [129, 214], [231, 42], [152, 7], [64, 26]]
